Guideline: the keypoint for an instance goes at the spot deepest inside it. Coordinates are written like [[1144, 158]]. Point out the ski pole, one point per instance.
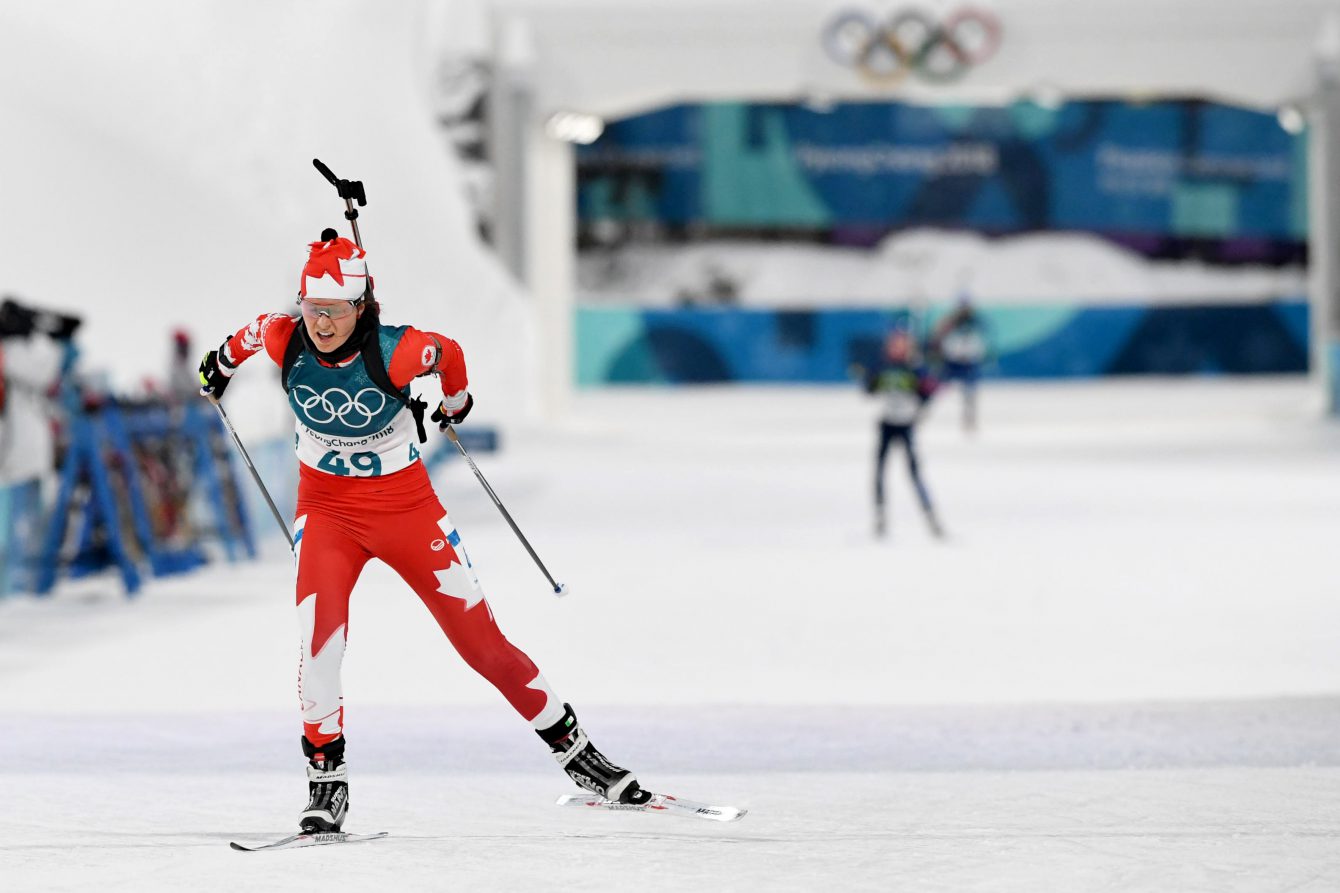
[[560, 589], [255, 475]]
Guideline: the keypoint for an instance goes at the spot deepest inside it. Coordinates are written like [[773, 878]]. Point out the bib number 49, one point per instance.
[[363, 464]]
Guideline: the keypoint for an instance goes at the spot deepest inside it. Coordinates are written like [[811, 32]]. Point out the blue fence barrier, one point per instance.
[[129, 479]]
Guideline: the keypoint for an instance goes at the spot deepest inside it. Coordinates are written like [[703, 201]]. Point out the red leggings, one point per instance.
[[344, 521]]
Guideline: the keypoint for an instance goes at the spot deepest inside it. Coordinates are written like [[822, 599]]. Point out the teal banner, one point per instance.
[[699, 346]]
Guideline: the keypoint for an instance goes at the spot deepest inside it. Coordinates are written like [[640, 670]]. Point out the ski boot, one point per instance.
[[588, 767], [327, 786]]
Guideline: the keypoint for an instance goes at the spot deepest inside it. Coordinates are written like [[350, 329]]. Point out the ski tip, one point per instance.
[[309, 839]]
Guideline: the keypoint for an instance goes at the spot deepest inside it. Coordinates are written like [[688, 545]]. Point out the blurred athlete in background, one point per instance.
[[904, 388], [960, 344]]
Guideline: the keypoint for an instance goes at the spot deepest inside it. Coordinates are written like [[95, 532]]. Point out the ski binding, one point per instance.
[[659, 803]]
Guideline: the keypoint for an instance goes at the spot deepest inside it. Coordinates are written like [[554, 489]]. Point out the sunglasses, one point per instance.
[[338, 310]]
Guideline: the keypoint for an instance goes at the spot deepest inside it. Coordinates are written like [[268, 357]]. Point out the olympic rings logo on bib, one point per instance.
[[911, 42], [335, 404]]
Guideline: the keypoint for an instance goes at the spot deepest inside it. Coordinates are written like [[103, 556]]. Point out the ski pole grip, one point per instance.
[[325, 171]]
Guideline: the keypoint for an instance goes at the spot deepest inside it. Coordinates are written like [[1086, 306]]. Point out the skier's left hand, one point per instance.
[[445, 417]]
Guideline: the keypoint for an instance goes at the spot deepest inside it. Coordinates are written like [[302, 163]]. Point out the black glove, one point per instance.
[[212, 377], [444, 417]]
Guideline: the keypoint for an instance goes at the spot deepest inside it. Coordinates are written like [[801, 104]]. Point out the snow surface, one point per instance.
[[1119, 673]]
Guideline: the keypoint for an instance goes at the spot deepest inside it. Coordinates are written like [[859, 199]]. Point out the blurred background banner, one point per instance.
[[1140, 173], [629, 345], [1155, 237]]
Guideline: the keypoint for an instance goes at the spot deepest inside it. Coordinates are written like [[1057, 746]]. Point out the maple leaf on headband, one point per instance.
[[323, 258]]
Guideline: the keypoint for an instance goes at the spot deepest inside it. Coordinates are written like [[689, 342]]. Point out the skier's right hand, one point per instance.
[[214, 376], [445, 417]]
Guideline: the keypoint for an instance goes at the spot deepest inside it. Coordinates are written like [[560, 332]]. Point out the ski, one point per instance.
[[660, 803], [305, 839]]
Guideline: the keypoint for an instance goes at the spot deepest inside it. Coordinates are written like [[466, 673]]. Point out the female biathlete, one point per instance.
[[363, 493]]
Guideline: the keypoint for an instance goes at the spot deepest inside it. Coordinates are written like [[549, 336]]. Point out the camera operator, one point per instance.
[[18, 320]]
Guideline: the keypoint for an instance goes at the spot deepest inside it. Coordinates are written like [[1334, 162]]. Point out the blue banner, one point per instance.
[[1160, 169], [626, 345]]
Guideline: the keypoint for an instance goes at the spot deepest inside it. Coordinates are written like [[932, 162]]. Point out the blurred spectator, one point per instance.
[[183, 382], [905, 387], [35, 348], [960, 344]]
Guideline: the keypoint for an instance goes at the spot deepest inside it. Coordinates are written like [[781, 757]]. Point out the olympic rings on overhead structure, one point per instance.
[[912, 42]]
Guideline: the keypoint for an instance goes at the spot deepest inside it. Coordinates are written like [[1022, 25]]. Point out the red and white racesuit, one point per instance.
[[342, 521]]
